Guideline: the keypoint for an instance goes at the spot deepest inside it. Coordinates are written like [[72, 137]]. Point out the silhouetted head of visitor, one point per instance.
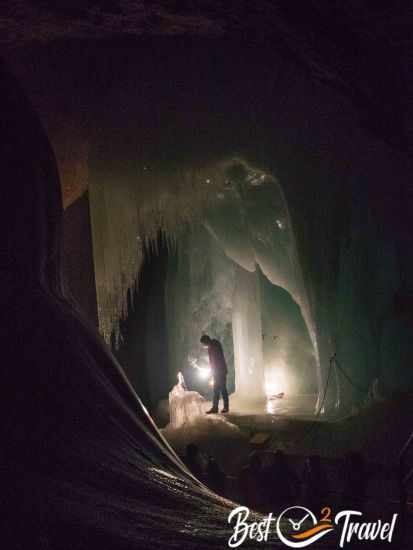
[[192, 451], [205, 340], [213, 466], [279, 459], [255, 462]]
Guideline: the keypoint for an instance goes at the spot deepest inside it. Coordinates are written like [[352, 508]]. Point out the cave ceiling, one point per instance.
[[362, 49]]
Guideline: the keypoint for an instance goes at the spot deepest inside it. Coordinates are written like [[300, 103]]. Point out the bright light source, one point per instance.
[[271, 388], [200, 365], [204, 373], [275, 382], [270, 407]]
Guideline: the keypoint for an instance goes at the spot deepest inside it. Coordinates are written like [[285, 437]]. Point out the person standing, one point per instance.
[[219, 370]]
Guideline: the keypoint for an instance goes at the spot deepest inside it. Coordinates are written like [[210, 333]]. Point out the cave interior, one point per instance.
[[256, 189]]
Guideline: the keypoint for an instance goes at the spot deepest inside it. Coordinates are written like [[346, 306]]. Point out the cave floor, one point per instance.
[[267, 415], [378, 432], [292, 427]]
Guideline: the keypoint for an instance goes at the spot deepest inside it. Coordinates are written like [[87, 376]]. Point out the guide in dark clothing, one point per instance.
[[219, 371]]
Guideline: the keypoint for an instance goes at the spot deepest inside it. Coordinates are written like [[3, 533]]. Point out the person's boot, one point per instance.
[[212, 411], [226, 403]]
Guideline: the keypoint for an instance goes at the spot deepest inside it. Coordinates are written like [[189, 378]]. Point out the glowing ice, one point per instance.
[[247, 334], [184, 405]]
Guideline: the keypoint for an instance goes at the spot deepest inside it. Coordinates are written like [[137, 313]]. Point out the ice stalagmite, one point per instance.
[[184, 406]]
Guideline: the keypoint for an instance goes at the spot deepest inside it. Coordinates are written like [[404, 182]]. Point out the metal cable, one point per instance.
[[347, 376]]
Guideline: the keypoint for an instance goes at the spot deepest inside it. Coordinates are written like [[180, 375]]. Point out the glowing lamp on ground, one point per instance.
[[271, 388], [274, 383]]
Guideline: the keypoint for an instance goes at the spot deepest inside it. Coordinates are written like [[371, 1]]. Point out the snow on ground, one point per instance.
[[215, 436]]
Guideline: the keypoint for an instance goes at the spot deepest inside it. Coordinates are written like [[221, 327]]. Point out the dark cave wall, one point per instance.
[[78, 266], [58, 84]]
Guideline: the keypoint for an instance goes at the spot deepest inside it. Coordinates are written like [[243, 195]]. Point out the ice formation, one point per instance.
[[199, 291], [247, 332], [126, 217], [214, 285], [184, 405], [226, 221], [334, 257], [216, 436]]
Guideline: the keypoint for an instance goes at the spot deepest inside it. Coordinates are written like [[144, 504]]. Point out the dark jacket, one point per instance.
[[216, 358]]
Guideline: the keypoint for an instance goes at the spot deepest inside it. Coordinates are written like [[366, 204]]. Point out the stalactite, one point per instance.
[[127, 218]]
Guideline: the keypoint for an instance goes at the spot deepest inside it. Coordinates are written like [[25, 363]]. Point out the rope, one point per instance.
[[347, 376], [333, 360], [320, 408]]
